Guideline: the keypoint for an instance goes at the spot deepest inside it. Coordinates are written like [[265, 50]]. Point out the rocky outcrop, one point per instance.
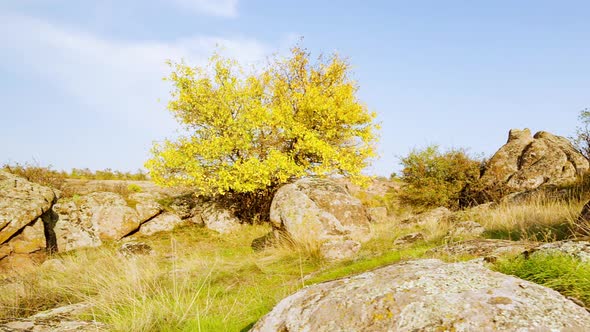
[[526, 162], [317, 210], [426, 295], [88, 220], [24, 210]]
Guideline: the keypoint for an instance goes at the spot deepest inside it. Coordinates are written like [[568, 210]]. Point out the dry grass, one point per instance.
[[197, 281], [537, 219]]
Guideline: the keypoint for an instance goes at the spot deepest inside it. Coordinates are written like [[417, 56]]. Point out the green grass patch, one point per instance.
[[565, 274]]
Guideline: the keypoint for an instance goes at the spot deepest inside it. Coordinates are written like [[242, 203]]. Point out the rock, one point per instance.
[[486, 248], [131, 249], [146, 206], [432, 217], [576, 249], [86, 221], [28, 240], [74, 228], [317, 210], [21, 263], [219, 219], [526, 162], [377, 214], [266, 241], [466, 229], [426, 295], [21, 203], [164, 222], [409, 238], [56, 320], [336, 250]]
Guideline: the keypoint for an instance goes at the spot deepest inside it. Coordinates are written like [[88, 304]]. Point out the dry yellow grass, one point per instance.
[[537, 219]]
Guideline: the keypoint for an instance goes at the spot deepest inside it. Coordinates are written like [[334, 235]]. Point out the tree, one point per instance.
[[434, 179], [251, 132], [582, 139]]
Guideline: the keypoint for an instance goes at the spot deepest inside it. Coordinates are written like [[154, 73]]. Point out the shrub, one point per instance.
[[44, 176], [135, 188], [434, 179]]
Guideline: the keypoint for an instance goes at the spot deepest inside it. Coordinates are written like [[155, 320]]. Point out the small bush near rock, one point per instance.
[[437, 179], [134, 188]]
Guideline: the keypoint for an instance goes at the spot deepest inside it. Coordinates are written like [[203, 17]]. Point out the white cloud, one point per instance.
[[122, 78], [224, 8]]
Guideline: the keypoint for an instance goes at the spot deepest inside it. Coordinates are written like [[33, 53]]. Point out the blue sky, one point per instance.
[[80, 81]]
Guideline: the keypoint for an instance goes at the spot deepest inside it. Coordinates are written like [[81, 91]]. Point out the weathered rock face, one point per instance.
[[164, 222], [146, 206], [89, 219], [23, 207], [217, 218], [426, 295], [21, 203], [318, 210], [526, 162]]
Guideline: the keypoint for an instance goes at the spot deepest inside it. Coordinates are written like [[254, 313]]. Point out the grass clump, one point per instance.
[[536, 219], [565, 274]]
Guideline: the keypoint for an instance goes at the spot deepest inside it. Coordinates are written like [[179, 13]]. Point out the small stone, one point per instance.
[[131, 249], [336, 250], [409, 238]]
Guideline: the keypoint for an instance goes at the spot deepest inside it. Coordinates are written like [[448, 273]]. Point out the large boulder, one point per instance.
[[318, 210], [86, 221], [526, 162], [426, 295], [21, 203], [24, 209]]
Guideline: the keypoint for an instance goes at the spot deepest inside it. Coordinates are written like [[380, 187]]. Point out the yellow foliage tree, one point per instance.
[[252, 132]]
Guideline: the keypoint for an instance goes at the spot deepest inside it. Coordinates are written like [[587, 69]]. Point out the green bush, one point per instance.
[[434, 179], [561, 272], [135, 188]]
